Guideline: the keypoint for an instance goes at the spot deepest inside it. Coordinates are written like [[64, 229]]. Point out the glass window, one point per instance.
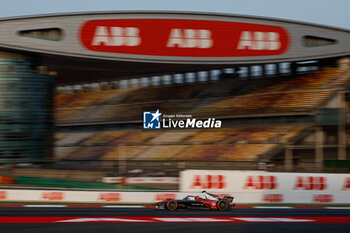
[[314, 41], [54, 34], [167, 79], [203, 76], [190, 77]]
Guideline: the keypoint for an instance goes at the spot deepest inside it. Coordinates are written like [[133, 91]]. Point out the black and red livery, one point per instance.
[[206, 201]]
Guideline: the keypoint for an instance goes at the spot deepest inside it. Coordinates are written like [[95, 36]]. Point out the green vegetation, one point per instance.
[[35, 181]]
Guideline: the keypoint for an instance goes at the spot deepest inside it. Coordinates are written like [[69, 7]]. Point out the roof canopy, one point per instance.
[[112, 45]]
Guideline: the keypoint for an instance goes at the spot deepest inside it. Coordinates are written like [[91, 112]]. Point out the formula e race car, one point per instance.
[[206, 201]]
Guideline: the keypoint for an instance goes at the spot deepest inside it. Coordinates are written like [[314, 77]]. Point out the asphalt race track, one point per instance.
[[103, 220]]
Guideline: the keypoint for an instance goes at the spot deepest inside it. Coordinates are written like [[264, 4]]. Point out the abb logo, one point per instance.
[[209, 182], [272, 198], [346, 185], [109, 197], [190, 38], [322, 198], [311, 183], [183, 38], [52, 196], [3, 195], [116, 36], [164, 196], [259, 41], [261, 182]]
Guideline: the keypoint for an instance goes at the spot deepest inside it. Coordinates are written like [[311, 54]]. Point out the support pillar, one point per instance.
[[341, 127], [249, 72], [288, 159], [319, 148]]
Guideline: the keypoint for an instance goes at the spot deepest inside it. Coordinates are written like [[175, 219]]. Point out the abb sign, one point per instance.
[[3, 195], [240, 197], [116, 36], [52, 196], [109, 197], [322, 198], [209, 182], [259, 41], [261, 182], [310, 183], [273, 198], [183, 38], [224, 181], [346, 185], [190, 38]]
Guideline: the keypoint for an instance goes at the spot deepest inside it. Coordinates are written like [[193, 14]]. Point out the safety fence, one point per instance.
[[313, 197]]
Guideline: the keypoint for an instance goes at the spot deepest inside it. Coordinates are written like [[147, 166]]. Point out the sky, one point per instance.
[[334, 13]]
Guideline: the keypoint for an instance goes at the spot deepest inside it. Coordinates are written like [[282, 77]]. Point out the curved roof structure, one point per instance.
[[130, 44]]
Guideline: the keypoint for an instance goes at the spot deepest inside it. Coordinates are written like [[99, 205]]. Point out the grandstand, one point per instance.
[[306, 92], [278, 110], [279, 87]]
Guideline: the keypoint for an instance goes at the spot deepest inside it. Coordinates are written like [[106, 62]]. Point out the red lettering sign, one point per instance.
[[322, 198], [310, 183], [209, 182], [52, 196], [261, 182], [109, 197], [3, 195], [164, 196], [183, 38], [346, 185], [272, 198]]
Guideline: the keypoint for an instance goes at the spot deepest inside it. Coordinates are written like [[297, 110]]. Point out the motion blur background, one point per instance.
[[288, 116]]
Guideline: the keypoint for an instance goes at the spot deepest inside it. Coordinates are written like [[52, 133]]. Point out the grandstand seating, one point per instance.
[[315, 80], [224, 98], [90, 98], [102, 138], [230, 144], [165, 152], [212, 136], [245, 152], [90, 153], [172, 137], [135, 137], [123, 152], [72, 138], [264, 103]]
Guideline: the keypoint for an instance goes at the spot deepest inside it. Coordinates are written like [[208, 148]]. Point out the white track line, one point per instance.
[[141, 206], [272, 207], [45, 206], [124, 206]]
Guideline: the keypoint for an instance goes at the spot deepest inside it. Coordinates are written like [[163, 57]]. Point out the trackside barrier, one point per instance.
[[60, 183], [140, 180], [264, 182], [69, 183], [313, 197]]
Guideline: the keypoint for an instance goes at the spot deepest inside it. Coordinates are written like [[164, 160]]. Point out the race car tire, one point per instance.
[[223, 205], [171, 205]]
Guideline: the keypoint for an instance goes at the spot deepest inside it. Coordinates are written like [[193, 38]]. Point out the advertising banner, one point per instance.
[[183, 38], [270, 187], [244, 186], [312, 197]]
